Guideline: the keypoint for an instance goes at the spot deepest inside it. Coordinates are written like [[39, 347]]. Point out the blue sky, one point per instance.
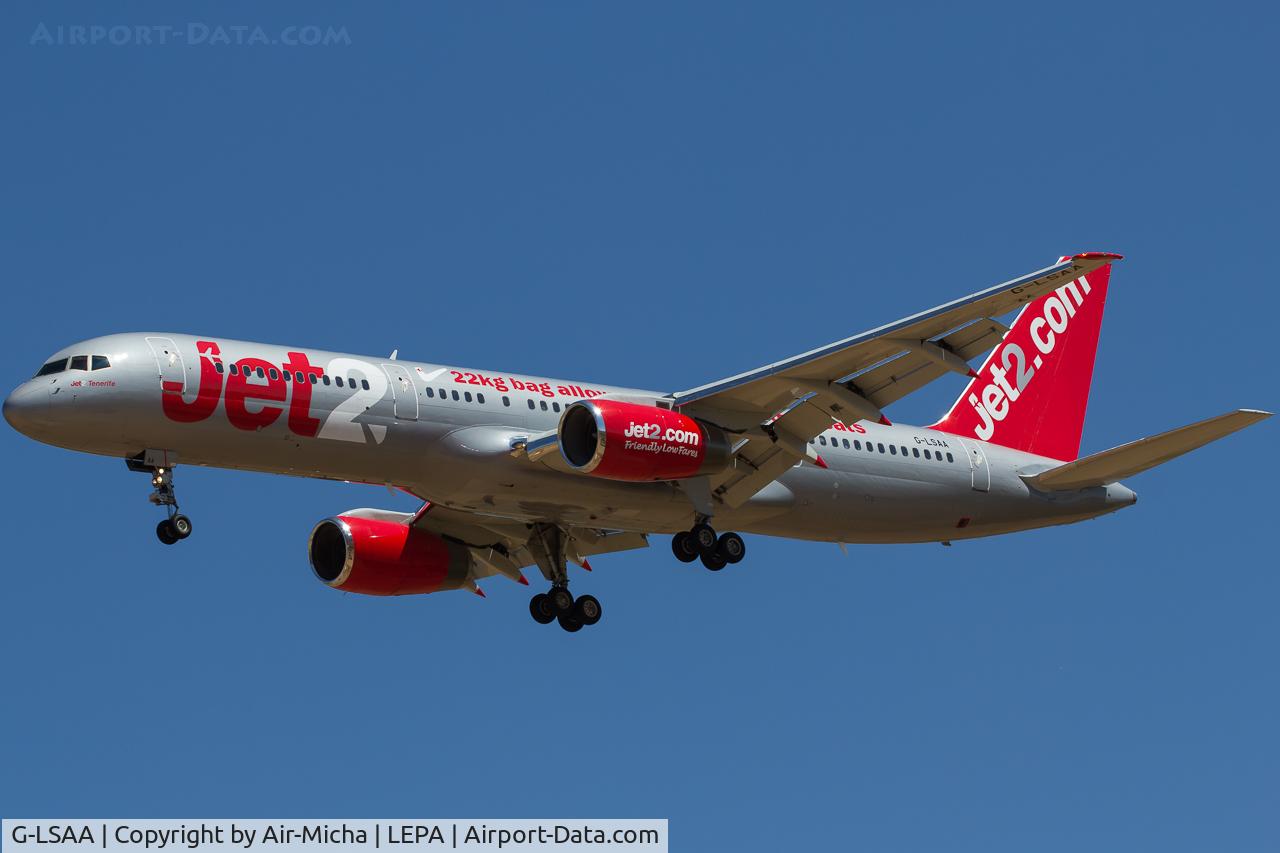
[[652, 195]]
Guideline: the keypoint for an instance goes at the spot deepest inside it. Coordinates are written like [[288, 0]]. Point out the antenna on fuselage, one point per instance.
[[394, 353]]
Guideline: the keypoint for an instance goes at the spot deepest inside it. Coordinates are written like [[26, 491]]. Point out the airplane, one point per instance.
[[516, 471]]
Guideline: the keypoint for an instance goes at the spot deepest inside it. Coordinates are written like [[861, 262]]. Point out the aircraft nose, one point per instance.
[[26, 409]]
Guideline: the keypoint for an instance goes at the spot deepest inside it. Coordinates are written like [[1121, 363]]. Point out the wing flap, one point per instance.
[[1135, 457]]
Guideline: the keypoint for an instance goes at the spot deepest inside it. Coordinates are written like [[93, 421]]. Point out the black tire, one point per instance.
[[704, 538], [561, 600], [569, 623], [714, 562], [181, 526], [587, 609], [540, 609], [684, 549], [731, 548], [165, 532]]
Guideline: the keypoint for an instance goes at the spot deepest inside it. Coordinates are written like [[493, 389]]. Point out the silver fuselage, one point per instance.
[[425, 428]]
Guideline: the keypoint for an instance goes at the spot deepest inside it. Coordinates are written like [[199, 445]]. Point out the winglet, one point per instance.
[[1097, 256]]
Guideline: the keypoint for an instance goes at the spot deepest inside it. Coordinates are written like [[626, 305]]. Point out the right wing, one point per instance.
[[777, 409]]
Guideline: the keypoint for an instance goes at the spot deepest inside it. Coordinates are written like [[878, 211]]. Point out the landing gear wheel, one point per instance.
[[704, 538], [561, 600], [731, 548], [586, 610], [714, 562], [569, 623], [181, 526], [541, 610], [165, 532], [682, 545]]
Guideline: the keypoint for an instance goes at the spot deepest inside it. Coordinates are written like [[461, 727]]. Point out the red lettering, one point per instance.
[[300, 420], [178, 409], [240, 391]]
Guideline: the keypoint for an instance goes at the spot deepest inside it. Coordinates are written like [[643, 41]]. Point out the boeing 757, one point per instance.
[[516, 471]]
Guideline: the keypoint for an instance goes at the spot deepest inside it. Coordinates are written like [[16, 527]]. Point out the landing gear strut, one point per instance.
[[558, 604], [177, 526], [702, 542]]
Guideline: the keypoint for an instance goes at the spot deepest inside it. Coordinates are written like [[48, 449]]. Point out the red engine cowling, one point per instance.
[[637, 443], [377, 557]]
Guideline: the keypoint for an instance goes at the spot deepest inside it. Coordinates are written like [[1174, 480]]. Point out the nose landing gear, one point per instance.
[[177, 526], [701, 541]]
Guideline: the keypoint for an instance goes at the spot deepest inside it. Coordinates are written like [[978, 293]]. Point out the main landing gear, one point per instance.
[[702, 542], [558, 604], [177, 526]]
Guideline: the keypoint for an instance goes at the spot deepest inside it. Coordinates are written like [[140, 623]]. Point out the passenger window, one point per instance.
[[314, 380], [364, 383], [275, 374], [325, 379], [288, 377], [56, 366], [479, 398], [881, 446], [904, 451], [846, 443], [822, 439], [297, 374], [261, 374], [857, 445], [950, 458], [544, 405], [338, 380], [506, 401], [926, 455], [915, 451], [235, 369], [431, 392], [530, 405], [455, 396], [217, 365], [555, 406], [79, 362], [466, 395], [893, 451]]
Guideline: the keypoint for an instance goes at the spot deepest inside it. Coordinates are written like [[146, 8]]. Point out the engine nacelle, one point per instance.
[[377, 557], [638, 443]]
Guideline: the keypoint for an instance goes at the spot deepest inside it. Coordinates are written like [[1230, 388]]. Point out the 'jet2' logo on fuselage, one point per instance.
[[256, 392]]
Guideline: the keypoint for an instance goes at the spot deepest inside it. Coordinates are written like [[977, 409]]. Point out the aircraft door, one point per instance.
[[173, 374], [979, 470], [403, 392]]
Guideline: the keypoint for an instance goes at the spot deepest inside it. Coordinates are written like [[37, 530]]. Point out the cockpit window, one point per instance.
[[101, 362], [79, 362], [56, 366]]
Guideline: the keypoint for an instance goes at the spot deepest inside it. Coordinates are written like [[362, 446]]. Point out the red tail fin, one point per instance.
[[1032, 391]]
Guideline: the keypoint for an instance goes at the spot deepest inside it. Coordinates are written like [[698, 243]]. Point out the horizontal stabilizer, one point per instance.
[[1137, 456]]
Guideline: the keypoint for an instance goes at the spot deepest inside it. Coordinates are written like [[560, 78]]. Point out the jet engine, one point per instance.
[[381, 557], [638, 443]]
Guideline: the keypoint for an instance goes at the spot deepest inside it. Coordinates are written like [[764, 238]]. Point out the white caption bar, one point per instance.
[[297, 836]]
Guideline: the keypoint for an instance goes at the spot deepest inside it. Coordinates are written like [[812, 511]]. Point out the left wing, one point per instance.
[[500, 546]]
